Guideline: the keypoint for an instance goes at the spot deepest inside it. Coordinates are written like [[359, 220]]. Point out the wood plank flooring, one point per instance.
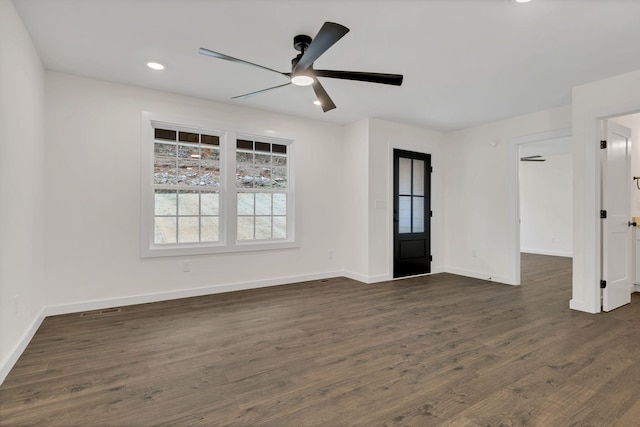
[[431, 351]]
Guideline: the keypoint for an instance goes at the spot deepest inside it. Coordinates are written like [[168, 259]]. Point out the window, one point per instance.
[[208, 190], [261, 182], [186, 179]]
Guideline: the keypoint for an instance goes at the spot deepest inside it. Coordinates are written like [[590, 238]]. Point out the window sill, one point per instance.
[[188, 250]]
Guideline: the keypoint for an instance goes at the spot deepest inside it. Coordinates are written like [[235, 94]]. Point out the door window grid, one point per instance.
[[411, 195]]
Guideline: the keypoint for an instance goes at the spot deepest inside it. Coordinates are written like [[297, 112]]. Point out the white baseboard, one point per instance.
[[12, 358], [183, 293], [383, 277], [479, 275], [366, 279], [546, 252], [581, 306]]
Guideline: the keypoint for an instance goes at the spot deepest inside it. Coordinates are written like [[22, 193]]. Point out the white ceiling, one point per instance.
[[465, 62]]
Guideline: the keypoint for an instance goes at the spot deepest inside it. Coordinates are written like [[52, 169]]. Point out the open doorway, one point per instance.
[[546, 194], [556, 145]]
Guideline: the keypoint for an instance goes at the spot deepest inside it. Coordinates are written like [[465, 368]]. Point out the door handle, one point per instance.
[[631, 224]]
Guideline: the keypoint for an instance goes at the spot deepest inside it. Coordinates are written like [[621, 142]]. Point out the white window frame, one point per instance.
[[227, 190]]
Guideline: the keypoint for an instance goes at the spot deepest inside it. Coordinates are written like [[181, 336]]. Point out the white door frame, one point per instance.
[[618, 290], [514, 191]]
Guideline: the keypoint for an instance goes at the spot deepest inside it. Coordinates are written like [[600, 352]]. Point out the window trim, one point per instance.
[[227, 190]]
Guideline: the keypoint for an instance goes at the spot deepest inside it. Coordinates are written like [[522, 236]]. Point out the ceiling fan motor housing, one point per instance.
[[301, 42]]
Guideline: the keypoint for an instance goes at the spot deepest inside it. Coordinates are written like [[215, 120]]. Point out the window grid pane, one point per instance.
[[186, 216]]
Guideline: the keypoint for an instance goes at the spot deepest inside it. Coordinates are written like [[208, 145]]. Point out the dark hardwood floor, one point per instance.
[[429, 351]]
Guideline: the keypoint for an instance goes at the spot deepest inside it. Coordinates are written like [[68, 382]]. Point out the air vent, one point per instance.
[[103, 312]]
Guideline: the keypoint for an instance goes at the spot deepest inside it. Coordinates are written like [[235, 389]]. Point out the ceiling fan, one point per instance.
[[532, 159], [302, 71]]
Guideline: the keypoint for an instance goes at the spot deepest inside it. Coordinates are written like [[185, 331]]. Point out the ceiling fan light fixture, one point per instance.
[[302, 80], [316, 102], [155, 66]]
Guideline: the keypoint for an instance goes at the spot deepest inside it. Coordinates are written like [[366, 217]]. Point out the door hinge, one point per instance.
[[431, 169], [603, 214], [430, 257], [603, 284], [603, 144], [431, 214]]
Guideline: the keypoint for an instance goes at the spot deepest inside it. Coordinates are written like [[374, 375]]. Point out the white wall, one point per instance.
[[355, 199], [93, 199], [384, 137], [368, 195], [22, 207], [546, 202], [481, 222], [602, 99]]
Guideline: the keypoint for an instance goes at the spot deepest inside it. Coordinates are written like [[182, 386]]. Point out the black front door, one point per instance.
[[411, 213]]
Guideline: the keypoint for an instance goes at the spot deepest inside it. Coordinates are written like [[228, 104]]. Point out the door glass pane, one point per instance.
[[418, 177], [404, 214], [418, 214], [404, 176]]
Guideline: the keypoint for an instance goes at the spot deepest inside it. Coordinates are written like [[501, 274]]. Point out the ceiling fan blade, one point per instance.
[[537, 158], [387, 79], [325, 101], [249, 95], [219, 55], [328, 35]]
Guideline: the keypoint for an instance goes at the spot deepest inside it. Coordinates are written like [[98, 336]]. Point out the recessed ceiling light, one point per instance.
[[317, 102], [523, 1], [155, 66]]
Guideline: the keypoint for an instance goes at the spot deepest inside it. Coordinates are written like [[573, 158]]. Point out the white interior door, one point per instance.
[[616, 232]]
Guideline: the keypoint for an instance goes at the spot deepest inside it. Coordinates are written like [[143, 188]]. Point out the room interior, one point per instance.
[[74, 83]]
